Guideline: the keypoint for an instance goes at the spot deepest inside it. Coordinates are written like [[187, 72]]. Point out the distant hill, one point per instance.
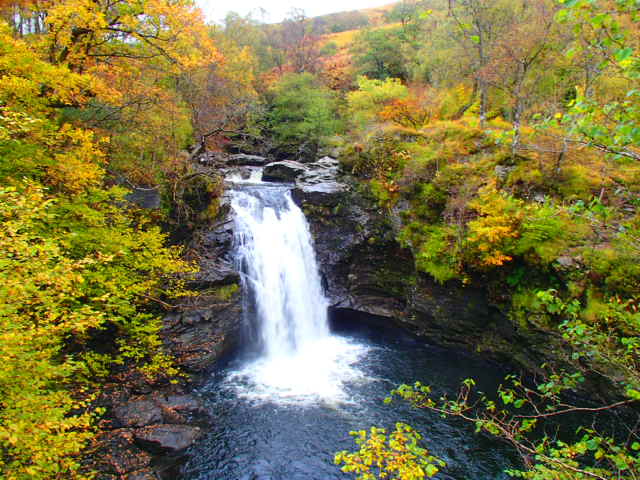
[[350, 20]]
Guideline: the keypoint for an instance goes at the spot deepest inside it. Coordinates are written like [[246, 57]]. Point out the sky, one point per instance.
[[277, 9]]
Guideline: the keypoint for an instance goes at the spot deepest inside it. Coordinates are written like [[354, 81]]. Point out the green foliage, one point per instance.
[[377, 157], [615, 263], [435, 248], [301, 111], [612, 125], [516, 416], [378, 55], [69, 271], [329, 49], [396, 455], [546, 233]]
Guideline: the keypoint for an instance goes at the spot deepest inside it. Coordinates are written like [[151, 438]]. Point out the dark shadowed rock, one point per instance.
[[211, 158], [148, 198], [242, 160], [214, 272], [200, 336], [167, 438], [284, 171]]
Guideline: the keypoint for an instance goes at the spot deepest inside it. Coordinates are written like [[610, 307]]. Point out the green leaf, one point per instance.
[[431, 470], [624, 53]]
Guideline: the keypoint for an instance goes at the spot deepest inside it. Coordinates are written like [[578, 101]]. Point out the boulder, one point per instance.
[[210, 159], [167, 438], [138, 413], [320, 185], [181, 403], [285, 171], [147, 198]]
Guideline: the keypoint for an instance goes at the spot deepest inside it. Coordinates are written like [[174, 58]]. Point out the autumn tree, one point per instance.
[[299, 42], [222, 97], [75, 264], [478, 25], [517, 55]]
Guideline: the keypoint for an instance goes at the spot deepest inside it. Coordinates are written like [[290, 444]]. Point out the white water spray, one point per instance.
[[280, 271], [300, 359]]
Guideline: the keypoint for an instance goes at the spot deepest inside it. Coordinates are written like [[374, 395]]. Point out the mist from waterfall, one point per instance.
[[299, 359]]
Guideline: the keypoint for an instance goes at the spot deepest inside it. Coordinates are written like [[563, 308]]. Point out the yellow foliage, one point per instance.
[[396, 455], [497, 225]]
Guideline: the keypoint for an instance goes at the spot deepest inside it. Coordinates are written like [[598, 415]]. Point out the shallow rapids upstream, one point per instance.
[[284, 405]]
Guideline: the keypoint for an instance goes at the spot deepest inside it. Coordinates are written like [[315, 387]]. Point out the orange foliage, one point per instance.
[[406, 112]]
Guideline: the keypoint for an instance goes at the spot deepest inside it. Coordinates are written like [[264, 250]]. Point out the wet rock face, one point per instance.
[[200, 337], [209, 324], [366, 270]]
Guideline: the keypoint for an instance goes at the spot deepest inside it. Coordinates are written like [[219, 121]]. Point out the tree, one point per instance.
[[222, 96], [606, 124], [78, 263], [371, 98], [396, 455], [300, 43], [377, 53], [517, 53], [479, 23], [301, 112]]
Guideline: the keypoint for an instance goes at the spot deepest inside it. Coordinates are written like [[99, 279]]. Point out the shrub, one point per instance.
[[372, 97]]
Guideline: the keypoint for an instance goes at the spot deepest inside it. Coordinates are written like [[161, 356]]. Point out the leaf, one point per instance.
[[623, 54]]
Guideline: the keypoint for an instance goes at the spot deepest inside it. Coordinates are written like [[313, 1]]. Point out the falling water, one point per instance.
[[280, 272], [284, 302]]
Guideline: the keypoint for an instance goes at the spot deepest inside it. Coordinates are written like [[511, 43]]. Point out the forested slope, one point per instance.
[[505, 135]]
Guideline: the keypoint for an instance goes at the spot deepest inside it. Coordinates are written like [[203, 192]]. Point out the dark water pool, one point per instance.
[[265, 437]]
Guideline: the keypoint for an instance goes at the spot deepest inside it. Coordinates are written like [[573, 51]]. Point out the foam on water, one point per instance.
[[320, 372]]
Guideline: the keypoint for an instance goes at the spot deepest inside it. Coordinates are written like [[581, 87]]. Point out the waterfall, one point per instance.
[[299, 359], [280, 274]]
